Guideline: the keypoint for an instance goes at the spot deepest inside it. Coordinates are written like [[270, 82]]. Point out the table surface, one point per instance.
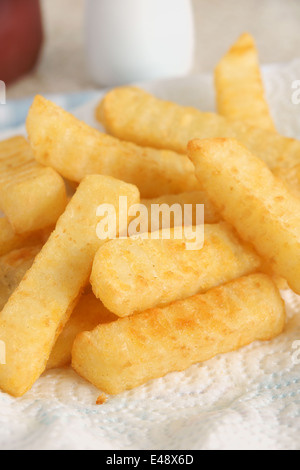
[[61, 68]]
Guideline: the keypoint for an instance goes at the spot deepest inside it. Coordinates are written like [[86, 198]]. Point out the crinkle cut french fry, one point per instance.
[[10, 241], [239, 86], [193, 198], [133, 275], [87, 315], [152, 344], [31, 196], [252, 200], [38, 310], [133, 114], [240, 95], [75, 150]]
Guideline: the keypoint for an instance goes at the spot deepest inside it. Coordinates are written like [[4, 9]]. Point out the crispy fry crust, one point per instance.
[[38, 310], [239, 86], [75, 150], [253, 200], [131, 276], [87, 315], [159, 341], [133, 114], [31, 196]]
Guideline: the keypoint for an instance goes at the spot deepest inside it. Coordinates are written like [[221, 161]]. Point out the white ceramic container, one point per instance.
[[136, 40]]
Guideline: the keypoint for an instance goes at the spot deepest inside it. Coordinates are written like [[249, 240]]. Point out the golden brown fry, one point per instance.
[[253, 200], [38, 310], [31, 196], [75, 150], [10, 241], [87, 315], [13, 268], [159, 341], [240, 88], [193, 198], [133, 114], [240, 95], [131, 276]]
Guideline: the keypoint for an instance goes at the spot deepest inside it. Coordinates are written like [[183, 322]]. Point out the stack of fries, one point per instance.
[[127, 310]]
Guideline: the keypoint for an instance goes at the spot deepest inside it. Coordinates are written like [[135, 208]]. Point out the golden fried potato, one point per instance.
[[159, 341], [13, 268], [196, 197], [10, 241], [133, 114], [38, 310], [240, 88], [240, 96], [87, 315], [253, 200], [31, 196], [131, 276], [75, 150]]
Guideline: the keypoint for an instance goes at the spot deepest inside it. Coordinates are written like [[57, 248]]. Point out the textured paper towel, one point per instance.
[[248, 399]]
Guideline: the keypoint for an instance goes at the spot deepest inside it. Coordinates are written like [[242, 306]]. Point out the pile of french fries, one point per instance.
[[128, 310]]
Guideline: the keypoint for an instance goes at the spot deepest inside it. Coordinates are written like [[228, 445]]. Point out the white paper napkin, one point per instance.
[[248, 399]]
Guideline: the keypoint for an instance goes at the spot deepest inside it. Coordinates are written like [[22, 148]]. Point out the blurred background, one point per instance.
[[61, 65]]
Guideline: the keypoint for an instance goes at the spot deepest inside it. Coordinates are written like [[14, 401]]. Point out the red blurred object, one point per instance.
[[21, 37]]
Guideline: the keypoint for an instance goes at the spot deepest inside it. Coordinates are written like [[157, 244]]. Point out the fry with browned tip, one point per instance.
[[134, 350], [239, 85], [253, 200]]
